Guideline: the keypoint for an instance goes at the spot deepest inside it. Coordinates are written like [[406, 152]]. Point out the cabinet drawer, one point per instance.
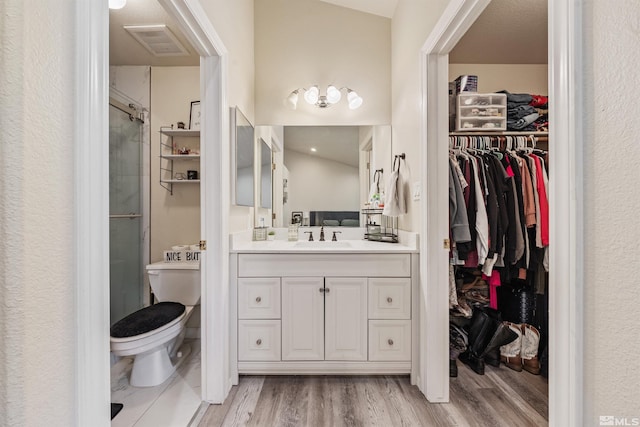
[[259, 298], [259, 340], [389, 340], [389, 298]]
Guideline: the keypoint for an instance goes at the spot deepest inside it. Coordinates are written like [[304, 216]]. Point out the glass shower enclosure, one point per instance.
[[125, 211]]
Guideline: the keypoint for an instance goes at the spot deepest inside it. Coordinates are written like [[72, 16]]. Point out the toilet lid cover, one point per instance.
[[147, 319]]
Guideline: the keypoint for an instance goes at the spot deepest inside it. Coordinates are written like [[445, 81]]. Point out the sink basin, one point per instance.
[[320, 245]]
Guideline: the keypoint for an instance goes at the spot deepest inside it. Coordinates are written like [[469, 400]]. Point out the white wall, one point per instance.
[[175, 219], [37, 214], [300, 43], [233, 21], [411, 25], [612, 155], [320, 185], [516, 78]]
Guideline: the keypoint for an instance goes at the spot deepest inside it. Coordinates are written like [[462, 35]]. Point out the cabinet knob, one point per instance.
[[389, 300], [390, 341], [258, 299], [259, 341]]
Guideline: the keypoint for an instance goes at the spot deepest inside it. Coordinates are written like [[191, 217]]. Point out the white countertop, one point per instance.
[[240, 244]]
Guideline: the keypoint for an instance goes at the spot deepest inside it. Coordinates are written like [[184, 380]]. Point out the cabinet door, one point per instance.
[[302, 318], [346, 318]]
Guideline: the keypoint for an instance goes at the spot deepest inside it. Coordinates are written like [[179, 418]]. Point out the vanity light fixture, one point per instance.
[[333, 96], [117, 4]]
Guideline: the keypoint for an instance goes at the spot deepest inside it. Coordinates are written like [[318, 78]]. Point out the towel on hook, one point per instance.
[[374, 191], [395, 203]]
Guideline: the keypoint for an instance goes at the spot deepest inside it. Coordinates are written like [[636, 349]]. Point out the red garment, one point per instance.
[[544, 202], [494, 282]]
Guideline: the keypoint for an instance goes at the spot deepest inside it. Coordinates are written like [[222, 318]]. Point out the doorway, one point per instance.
[[92, 301], [565, 257]]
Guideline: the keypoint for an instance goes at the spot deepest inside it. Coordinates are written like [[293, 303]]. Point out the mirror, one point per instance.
[[242, 159], [265, 175], [331, 184]]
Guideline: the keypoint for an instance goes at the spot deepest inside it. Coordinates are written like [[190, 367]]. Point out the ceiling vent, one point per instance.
[[157, 39]]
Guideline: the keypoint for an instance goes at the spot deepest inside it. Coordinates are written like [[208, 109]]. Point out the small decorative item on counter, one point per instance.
[[271, 235], [184, 150], [292, 233], [180, 125], [259, 234]]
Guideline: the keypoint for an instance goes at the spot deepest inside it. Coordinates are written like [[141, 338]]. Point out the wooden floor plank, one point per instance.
[[501, 397]]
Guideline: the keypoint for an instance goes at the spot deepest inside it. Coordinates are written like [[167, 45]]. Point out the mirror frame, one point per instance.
[[266, 170], [237, 117]]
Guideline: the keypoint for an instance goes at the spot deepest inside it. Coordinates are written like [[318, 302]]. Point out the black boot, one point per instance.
[[453, 368], [484, 323], [502, 336]]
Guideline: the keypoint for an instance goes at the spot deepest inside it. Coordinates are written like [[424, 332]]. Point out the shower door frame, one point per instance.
[[137, 112]]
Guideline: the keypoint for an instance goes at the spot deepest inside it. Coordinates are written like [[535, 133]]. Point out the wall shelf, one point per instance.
[[170, 140]]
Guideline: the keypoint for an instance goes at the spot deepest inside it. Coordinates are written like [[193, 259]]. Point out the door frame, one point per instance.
[[91, 190], [565, 196]]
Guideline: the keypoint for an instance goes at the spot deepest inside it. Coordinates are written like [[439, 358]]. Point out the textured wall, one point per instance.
[[411, 25], [612, 203], [37, 307], [300, 43]]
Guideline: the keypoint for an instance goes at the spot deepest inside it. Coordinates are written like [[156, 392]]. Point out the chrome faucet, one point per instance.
[[334, 239], [310, 233], [322, 233]]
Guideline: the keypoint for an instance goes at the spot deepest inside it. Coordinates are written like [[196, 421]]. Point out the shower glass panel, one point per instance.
[[125, 219]]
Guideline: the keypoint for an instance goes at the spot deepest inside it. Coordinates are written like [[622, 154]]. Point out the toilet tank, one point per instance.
[[175, 281]]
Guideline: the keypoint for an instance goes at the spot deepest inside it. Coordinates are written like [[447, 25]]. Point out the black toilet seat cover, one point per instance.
[[147, 319]]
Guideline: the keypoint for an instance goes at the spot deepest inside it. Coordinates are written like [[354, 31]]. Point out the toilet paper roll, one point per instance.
[[180, 247], [194, 247]]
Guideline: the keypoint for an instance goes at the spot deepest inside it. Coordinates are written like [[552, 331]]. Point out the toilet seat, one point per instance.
[[149, 319], [138, 344]]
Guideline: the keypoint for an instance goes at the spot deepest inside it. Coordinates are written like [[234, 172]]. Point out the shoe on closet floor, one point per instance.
[[529, 350], [510, 353]]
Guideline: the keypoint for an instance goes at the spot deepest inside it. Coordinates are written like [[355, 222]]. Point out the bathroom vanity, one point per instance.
[[346, 307]]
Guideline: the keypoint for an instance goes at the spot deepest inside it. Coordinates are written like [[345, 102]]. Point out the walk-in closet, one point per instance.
[[499, 212]]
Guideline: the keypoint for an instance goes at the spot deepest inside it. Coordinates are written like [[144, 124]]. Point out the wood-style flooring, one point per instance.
[[501, 397]]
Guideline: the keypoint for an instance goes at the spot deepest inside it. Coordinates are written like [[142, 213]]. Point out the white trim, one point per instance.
[[566, 201], [214, 194], [93, 390], [566, 198], [434, 358], [324, 367]]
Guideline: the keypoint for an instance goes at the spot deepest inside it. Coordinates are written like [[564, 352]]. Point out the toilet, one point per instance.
[[155, 334]]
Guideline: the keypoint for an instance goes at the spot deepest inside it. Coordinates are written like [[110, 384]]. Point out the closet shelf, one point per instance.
[[498, 133]]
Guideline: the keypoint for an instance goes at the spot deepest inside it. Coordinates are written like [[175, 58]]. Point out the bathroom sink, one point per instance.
[[320, 245]]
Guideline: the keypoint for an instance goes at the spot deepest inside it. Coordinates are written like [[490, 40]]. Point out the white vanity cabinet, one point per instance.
[[346, 313]]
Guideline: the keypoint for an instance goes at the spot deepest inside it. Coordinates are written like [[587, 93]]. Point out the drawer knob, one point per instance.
[[389, 300], [390, 341], [259, 341], [258, 299]]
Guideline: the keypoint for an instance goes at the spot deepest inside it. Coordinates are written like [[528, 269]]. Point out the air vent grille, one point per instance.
[[157, 39]]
